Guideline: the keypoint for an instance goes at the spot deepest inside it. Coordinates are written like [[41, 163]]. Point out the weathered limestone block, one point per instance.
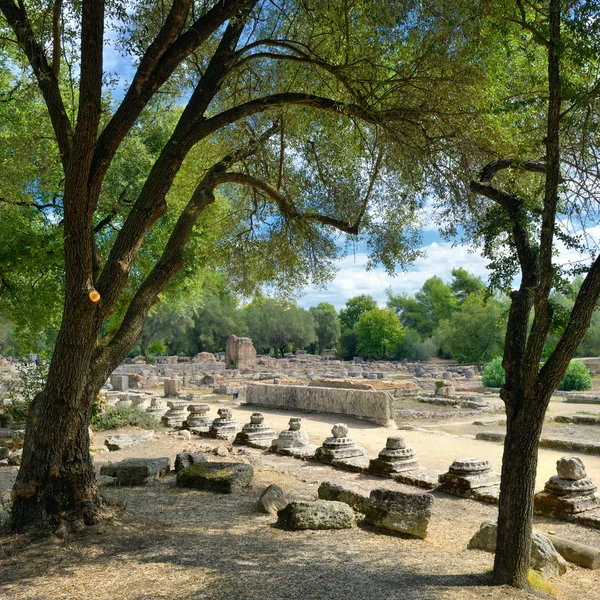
[[176, 414], [338, 446], [226, 478], [4, 452], [185, 459], [466, 475], [198, 420], [357, 499], [321, 514], [394, 458], [256, 434], [400, 511], [579, 554], [204, 357], [126, 440], [171, 388], [137, 471], [272, 500], [225, 427], [568, 493], [444, 389], [543, 558], [294, 437], [158, 408], [120, 383], [371, 405], [570, 467], [239, 353]]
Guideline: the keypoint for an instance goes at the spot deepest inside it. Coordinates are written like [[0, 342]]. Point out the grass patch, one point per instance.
[[537, 582], [123, 416]]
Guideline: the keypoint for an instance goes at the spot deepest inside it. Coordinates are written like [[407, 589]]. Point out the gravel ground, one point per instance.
[[170, 543]]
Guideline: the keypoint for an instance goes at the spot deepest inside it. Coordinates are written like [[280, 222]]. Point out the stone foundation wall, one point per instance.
[[374, 406]]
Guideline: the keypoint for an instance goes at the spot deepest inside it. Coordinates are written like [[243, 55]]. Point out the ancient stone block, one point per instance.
[[394, 458], [339, 446], [357, 499], [225, 427], [321, 514], [198, 420], [466, 475], [171, 388], [294, 437], [226, 478], [120, 383], [239, 353], [176, 414], [566, 496], [256, 434], [126, 440], [400, 511], [185, 459], [272, 500], [136, 471], [544, 557]]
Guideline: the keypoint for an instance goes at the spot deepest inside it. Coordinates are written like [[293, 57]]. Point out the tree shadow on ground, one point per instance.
[[227, 550]]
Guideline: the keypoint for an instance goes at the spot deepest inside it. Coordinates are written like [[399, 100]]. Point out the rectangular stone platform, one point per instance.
[[421, 477], [369, 405]]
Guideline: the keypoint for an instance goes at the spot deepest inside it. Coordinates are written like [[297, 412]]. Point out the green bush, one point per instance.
[[577, 378], [123, 416], [493, 373], [21, 391]]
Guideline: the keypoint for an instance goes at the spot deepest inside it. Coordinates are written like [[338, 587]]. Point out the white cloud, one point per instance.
[[353, 278]]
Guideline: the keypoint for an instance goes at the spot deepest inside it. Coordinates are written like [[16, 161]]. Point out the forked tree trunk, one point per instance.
[[515, 510]]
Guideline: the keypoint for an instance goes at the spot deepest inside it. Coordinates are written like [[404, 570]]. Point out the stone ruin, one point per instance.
[[176, 414], [467, 476], [198, 421], [394, 458], [293, 441], [569, 492], [171, 388], [225, 427], [157, 408], [239, 353], [256, 434], [339, 446]]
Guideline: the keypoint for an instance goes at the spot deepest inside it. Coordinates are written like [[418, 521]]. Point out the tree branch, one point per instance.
[[162, 57], [47, 82], [56, 14], [287, 208]]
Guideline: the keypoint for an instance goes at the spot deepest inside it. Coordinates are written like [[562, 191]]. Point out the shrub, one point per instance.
[[577, 378], [31, 379], [493, 373], [124, 416]]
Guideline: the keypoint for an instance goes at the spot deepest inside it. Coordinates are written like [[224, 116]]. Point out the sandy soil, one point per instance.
[[163, 542]]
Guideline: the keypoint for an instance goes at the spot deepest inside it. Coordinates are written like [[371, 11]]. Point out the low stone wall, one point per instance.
[[369, 405]]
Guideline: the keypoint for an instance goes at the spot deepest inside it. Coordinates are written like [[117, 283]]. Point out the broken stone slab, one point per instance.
[[400, 511], [576, 553], [185, 459], [137, 471], [357, 499], [272, 500], [226, 478], [544, 557], [320, 514], [127, 440]]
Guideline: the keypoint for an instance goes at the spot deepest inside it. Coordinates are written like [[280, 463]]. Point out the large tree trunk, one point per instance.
[[56, 482], [515, 510]]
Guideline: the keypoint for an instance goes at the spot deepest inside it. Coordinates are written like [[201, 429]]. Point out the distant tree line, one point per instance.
[[460, 320]]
